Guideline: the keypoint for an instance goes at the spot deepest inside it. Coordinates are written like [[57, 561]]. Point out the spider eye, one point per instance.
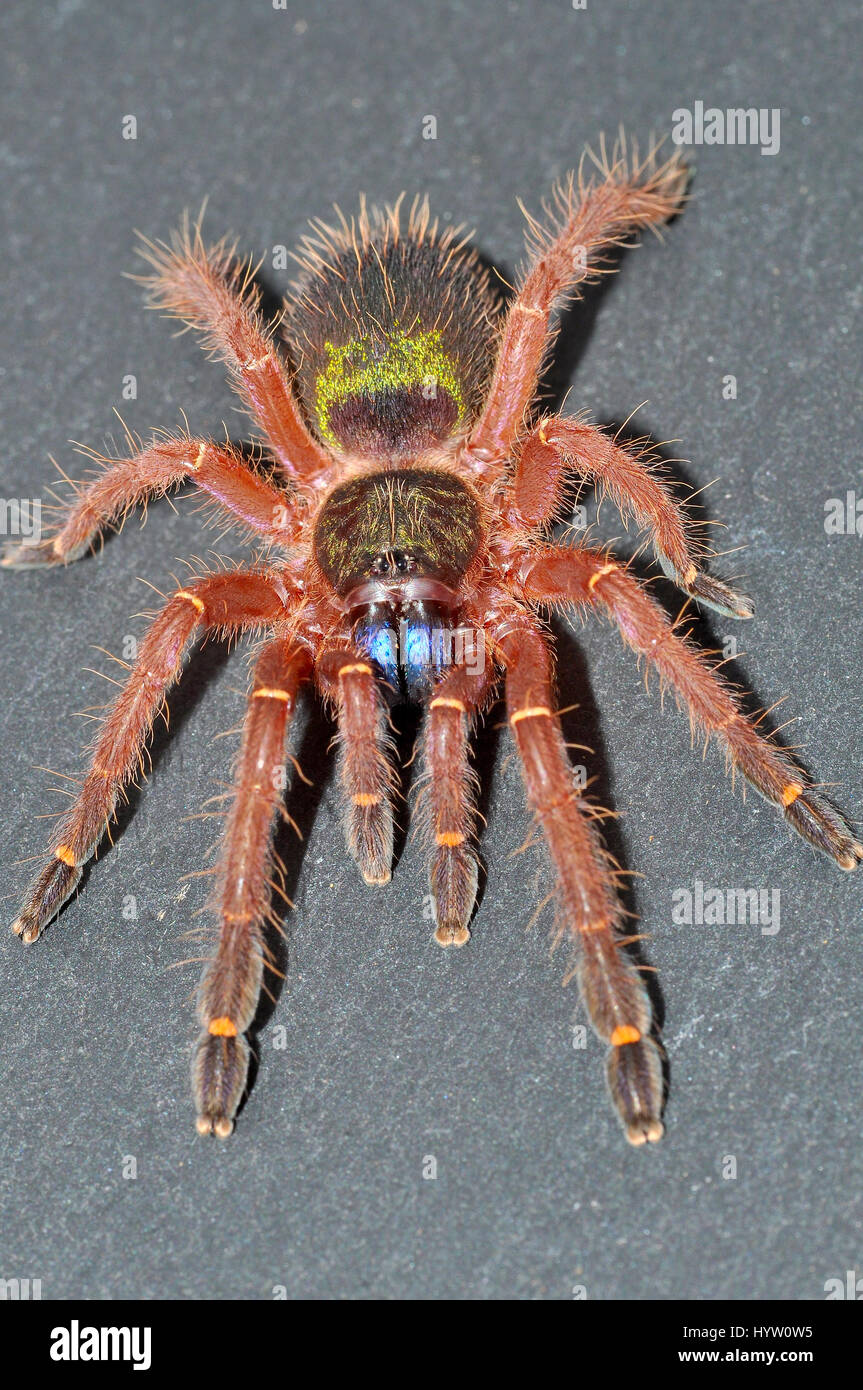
[[390, 562]]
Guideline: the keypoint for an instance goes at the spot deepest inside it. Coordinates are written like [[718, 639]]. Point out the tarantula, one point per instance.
[[412, 487]]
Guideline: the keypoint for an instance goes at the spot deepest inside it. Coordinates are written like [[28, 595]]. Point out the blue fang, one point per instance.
[[410, 647]]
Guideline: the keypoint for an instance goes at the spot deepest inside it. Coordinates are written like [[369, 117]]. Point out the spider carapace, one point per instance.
[[396, 546], [404, 489]]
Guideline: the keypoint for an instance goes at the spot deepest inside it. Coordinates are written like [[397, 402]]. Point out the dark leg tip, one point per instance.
[[720, 597], [635, 1081], [708, 590], [48, 894], [219, 1073], [19, 556], [823, 826]]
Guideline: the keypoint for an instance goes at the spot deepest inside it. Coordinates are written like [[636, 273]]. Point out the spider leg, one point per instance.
[[562, 576], [209, 291], [218, 471], [449, 794], [346, 677], [229, 602], [617, 1002], [591, 216], [231, 984], [558, 449]]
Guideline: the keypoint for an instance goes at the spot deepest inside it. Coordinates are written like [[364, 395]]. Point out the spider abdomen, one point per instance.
[[393, 334]]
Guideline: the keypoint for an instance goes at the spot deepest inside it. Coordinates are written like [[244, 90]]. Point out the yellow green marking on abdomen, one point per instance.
[[394, 386]]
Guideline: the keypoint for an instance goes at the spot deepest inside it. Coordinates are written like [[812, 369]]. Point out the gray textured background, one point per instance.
[[397, 1050]]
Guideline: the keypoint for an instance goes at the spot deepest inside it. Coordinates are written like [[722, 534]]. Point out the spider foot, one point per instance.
[[635, 1081], [851, 858], [723, 599], [709, 591], [453, 882], [48, 894], [823, 826], [376, 878], [451, 934], [219, 1073], [21, 556], [644, 1131], [370, 839]]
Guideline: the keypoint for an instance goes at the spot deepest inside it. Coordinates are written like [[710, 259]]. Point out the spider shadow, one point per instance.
[[582, 725], [574, 688], [306, 788], [302, 802], [700, 626], [204, 664], [700, 622], [409, 722], [576, 324]]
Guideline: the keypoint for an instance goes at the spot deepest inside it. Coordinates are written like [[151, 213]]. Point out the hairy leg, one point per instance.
[[231, 984], [617, 1002], [559, 449], [208, 290], [590, 217], [123, 483], [346, 677], [449, 794], [562, 576], [223, 602]]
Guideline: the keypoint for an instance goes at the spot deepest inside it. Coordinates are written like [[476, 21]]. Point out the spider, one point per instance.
[[411, 489]]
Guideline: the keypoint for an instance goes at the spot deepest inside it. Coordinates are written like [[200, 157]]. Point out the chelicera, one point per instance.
[[411, 487]]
